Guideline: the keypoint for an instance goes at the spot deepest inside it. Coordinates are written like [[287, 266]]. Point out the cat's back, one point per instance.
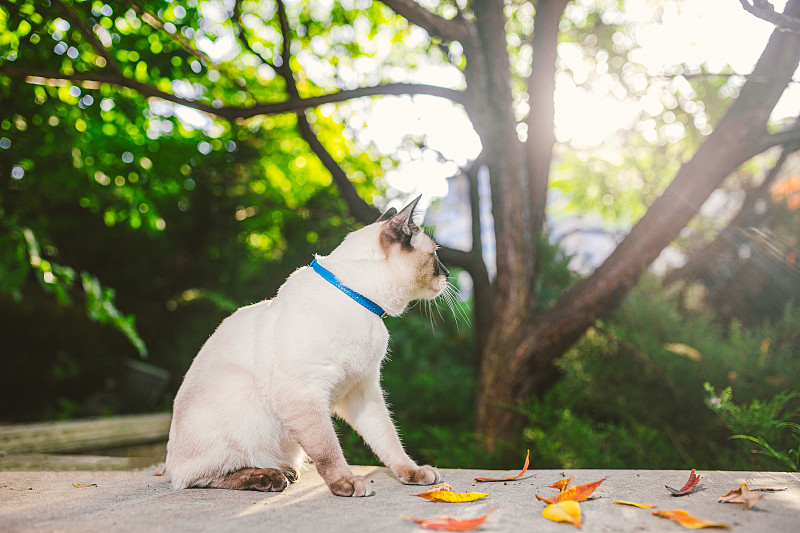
[[237, 337]]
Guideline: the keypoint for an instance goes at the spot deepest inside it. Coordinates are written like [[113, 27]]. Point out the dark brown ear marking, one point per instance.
[[387, 215], [400, 227]]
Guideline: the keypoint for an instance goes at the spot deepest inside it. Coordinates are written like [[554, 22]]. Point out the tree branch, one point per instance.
[[293, 105], [764, 10], [541, 122], [699, 261], [153, 21], [361, 210], [787, 137], [87, 33], [734, 141], [455, 29]]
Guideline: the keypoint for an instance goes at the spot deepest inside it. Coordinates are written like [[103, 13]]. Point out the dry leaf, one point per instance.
[[561, 484], [741, 495], [444, 493], [82, 485], [632, 504], [566, 511], [688, 487], [451, 523], [686, 520], [577, 493], [524, 469], [684, 350]]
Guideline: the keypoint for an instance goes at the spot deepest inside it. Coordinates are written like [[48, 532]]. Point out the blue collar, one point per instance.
[[328, 276]]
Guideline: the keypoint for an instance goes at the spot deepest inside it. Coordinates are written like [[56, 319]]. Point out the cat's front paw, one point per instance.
[[418, 475], [355, 486]]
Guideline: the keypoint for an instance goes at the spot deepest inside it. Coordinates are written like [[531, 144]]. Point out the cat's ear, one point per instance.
[[400, 227], [387, 215]]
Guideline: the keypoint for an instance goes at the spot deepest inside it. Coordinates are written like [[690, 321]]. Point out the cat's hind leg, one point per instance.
[[261, 479]]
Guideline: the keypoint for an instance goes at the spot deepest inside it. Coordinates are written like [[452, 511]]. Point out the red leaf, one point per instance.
[[689, 487], [577, 493], [451, 523], [524, 469]]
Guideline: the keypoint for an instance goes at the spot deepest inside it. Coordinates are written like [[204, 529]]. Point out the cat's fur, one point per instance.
[[257, 400]]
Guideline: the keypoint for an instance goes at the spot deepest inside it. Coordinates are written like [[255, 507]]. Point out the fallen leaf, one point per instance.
[[632, 504], [566, 511], [686, 520], [524, 469], [741, 495], [164, 471], [561, 484], [688, 487], [577, 493], [82, 485], [444, 493], [684, 350], [451, 523]]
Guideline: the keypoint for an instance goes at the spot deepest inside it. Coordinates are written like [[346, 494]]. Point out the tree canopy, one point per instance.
[[185, 150]]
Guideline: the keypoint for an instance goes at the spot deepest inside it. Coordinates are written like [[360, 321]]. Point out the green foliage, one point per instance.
[[554, 274], [762, 424], [632, 391], [114, 205]]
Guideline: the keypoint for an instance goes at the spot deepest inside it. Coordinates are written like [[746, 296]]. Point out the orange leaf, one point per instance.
[[164, 471], [451, 523], [741, 495], [632, 504], [444, 493], [524, 469], [561, 484], [578, 493], [686, 520], [566, 511]]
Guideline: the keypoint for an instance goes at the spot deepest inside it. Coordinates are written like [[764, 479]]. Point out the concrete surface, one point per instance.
[[139, 501]]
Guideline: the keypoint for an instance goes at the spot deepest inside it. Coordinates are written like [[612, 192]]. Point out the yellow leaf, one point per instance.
[[566, 511], [444, 493], [684, 350], [632, 504], [688, 521]]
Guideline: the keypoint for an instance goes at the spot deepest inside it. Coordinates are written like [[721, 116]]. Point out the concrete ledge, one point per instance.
[[140, 501]]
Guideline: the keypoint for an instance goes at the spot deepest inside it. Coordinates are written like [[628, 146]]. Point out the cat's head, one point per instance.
[[391, 261], [411, 254]]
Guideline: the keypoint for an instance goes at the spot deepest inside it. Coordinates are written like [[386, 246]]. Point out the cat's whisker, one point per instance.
[[451, 296], [435, 303], [428, 306]]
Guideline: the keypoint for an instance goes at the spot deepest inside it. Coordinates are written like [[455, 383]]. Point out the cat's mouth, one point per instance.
[[439, 285]]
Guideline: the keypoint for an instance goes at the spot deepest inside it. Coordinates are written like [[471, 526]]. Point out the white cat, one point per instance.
[[257, 400]]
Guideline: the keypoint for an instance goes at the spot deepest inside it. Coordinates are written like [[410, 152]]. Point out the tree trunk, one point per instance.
[[517, 362]]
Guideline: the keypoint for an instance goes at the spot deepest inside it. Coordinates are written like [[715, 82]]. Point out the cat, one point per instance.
[[257, 400]]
